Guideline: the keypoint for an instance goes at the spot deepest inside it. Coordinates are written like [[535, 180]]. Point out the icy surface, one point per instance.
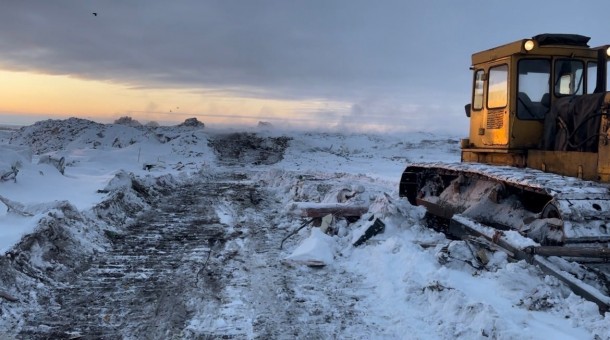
[[407, 282]]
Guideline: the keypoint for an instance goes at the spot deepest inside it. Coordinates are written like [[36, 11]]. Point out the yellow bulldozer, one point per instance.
[[538, 151], [533, 181]]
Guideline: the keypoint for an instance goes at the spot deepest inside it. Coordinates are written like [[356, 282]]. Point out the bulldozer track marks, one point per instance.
[[178, 269]]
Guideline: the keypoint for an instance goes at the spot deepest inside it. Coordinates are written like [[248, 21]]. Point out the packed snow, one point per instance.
[[410, 288]]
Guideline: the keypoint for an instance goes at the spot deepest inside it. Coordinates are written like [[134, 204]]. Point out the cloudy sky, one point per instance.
[[384, 65]]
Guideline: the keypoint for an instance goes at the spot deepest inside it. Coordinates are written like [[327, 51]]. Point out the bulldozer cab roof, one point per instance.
[[543, 44]]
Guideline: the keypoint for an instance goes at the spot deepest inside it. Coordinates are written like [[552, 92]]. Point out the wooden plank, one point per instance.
[[435, 209], [308, 209], [463, 226], [577, 286], [598, 252]]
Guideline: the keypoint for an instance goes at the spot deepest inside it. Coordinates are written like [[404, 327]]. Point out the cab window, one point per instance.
[[497, 91], [569, 77], [591, 77], [477, 92], [533, 94]]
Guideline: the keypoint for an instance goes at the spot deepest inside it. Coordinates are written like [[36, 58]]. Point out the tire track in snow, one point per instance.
[[181, 270]]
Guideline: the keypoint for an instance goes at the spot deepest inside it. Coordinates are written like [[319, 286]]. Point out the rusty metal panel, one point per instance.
[[568, 163], [603, 163], [514, 158]]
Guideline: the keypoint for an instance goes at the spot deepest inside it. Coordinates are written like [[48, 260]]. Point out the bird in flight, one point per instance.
[[94, 14]]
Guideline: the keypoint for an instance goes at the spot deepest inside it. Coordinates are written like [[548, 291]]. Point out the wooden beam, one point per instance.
[[308, 209], [462, 227]]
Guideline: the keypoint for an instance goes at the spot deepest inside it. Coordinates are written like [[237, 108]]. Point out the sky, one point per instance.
[[360, 65]]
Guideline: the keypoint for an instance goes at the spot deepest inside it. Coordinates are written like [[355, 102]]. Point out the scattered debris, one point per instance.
[[12, 174], [435, 286], [374, 229], [296, 231], [58, 163], [15, 207], [308, 263], [537, 301], [327, 221], [8, 297], [346, 194], [12, 160]]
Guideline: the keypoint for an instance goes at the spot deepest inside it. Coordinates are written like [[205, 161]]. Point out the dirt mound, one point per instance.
[[61, 135], [53, 134], [248, 148], [192, 122]]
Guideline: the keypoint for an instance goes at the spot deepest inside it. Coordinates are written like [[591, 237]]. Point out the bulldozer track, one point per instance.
[[577, 256]]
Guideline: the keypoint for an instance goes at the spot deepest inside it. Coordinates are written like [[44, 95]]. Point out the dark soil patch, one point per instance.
[[248, 148]]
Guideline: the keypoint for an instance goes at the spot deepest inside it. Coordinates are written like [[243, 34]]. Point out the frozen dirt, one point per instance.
[[175, 233]]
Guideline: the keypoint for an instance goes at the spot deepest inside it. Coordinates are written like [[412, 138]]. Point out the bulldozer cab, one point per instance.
[[517, 88]]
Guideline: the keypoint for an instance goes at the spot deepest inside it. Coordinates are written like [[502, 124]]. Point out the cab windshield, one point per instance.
[[533, 95]]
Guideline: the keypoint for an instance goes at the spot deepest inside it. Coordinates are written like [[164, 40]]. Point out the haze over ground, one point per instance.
[[362, 65]]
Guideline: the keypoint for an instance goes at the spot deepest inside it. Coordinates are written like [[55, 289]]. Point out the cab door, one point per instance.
[[496, 109]]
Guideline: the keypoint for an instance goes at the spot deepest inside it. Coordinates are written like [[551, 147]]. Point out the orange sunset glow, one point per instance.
[[60, 96]]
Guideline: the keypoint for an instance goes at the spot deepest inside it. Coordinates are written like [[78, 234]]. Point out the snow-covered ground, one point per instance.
[[404, 291]]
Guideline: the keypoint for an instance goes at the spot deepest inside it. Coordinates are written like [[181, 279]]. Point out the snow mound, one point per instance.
[[53, 135], [75, 133], [13, 159], [318, 248]]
